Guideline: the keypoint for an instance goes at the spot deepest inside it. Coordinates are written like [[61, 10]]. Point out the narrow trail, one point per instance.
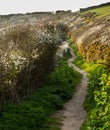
[[74, 114]]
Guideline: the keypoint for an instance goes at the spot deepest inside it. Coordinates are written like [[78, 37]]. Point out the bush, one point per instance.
[[27, 56], [17, 43]]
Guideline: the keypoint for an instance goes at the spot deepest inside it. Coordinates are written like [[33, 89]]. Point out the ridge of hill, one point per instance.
[[94, 7]]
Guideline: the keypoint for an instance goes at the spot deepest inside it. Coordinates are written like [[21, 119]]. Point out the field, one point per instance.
[[101, 12]]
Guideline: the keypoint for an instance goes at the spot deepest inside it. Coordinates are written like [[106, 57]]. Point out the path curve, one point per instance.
[[74, 114]]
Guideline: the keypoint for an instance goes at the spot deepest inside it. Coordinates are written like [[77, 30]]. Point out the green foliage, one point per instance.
[[97, 102], [98, 106], [52, 123], [64, 80], [33, 112], [95, 72]]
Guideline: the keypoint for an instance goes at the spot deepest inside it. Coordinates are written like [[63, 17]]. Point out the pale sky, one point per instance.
[[24, 6]]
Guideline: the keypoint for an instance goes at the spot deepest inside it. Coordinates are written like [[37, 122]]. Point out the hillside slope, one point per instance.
[[91, 32]]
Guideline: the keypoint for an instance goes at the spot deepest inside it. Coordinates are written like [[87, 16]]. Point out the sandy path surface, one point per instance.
[[74, 114]]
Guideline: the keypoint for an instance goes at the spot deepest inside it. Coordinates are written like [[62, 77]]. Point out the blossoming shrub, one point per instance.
[[26, 58]]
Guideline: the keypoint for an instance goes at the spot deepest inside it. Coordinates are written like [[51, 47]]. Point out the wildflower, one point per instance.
[[108, 83]]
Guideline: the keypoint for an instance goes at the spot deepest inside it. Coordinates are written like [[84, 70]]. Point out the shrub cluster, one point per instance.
[[26, 58]]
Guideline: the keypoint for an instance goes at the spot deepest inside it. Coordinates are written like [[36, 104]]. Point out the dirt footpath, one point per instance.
[[74, 114]]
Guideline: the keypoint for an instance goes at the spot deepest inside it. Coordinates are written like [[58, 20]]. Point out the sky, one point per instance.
[[24, 6]]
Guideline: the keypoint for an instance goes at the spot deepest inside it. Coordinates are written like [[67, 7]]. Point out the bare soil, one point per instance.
[[73, 114]]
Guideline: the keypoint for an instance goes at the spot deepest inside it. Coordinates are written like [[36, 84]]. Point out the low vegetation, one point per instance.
[[33, 112], [97, 99], [97, 103]]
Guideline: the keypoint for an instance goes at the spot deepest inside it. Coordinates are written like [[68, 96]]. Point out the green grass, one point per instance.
[[34, 112], [101, 11]]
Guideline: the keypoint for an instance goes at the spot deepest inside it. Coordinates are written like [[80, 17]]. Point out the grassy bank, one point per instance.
[[33, 112], [97, 103]]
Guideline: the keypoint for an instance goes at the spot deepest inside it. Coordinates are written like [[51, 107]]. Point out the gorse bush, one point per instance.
[[33, 112]]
